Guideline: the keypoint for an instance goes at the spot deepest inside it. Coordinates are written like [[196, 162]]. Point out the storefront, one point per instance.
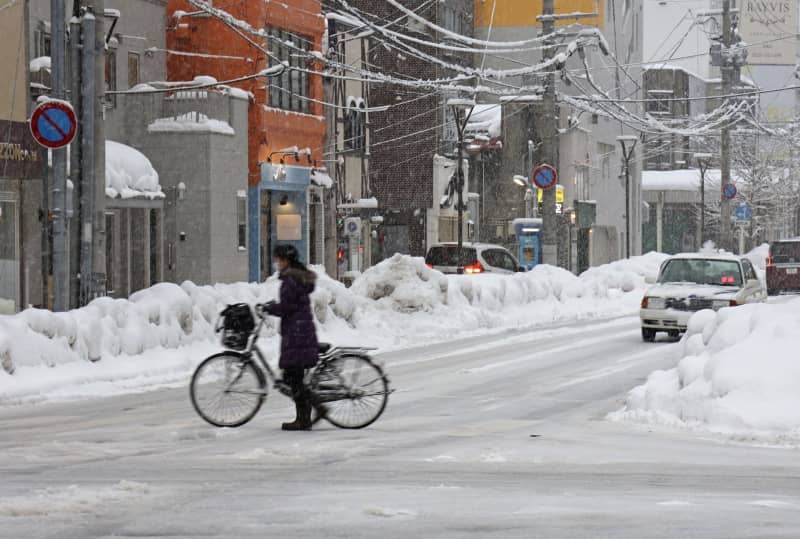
[[277, 213], [21, 161]]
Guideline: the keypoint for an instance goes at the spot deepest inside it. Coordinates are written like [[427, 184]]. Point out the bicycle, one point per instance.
[[348, 389]]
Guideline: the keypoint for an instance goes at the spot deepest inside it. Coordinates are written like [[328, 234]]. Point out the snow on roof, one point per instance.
[[362, 203], [678, 180], [322, 178], [40, 63], [190, 122], [486, 119], [129, 173]]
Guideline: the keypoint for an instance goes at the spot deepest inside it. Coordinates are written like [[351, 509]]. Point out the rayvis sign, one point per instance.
[[769, 27]]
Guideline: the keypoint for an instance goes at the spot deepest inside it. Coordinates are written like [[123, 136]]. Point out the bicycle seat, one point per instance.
[[324, 347]]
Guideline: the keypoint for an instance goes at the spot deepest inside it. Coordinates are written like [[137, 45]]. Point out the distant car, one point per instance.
[[783, 266], [688, 283], [476, 258]]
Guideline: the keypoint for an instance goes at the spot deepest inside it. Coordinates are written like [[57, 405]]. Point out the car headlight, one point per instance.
[[656, 303]]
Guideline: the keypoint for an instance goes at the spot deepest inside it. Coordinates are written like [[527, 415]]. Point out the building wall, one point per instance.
[[13, 64], [270, 129]]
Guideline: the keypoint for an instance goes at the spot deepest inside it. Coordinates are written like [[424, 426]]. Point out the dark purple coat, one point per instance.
[[299, 346]]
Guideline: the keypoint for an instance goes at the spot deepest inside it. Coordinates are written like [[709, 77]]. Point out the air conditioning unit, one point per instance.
[[352, 227]]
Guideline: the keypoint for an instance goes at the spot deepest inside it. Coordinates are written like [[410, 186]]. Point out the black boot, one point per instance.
[[303, 419]]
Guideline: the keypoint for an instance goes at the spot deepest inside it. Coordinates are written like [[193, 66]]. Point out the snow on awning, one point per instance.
[[678, 180], [129, 173], [40, 63], [190, 122], [321, 178], [362, 203], [486, 119]]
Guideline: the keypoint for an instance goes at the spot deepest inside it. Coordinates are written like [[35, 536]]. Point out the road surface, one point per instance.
[[501, 436]]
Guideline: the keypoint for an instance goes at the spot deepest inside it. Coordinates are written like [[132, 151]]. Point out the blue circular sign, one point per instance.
[[53, 124], [729, 191], [545, 177]]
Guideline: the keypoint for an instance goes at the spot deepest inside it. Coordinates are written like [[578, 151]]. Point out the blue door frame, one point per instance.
[[294, 185]]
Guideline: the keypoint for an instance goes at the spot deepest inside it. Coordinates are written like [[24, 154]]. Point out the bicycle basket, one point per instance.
[[236, 325]]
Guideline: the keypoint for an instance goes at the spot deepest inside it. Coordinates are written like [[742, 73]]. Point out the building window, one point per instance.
[[658, 101], [290, 90], [111, 76], [133, 69], [241, 219], [355, 127], [41, 43]]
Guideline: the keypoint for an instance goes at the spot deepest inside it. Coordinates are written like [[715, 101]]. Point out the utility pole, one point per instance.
[[89, 103], [59, 201], [549, 140], [727, 67], [627, 154], [75, 155], [98, 277], [702, 162]]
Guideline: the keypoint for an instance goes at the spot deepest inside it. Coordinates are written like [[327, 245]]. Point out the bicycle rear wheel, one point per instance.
[[227, 390], [352, 389]]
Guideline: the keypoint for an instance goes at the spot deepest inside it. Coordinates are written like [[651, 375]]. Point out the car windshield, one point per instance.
[[701, 271], [447, 255], [785, 252]]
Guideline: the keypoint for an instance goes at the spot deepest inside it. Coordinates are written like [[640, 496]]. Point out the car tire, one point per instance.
[[772, 292], [648, 335]]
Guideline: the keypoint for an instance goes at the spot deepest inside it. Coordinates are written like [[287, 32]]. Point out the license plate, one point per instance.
[[791, 271]]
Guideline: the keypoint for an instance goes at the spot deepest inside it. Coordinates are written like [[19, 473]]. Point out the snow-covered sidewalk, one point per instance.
[[738, 374], [158, 335]]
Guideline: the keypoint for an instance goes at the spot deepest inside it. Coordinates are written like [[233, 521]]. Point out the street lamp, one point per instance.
[[520, 180], [462, 110], [702, 162], [627, 141]]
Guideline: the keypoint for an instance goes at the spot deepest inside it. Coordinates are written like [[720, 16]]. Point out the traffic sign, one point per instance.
[[53, 124], [743, 212], [729, 191], [545, 176]]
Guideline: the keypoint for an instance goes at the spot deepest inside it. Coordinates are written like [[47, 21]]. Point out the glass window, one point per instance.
[[749, 272], [508, 262], [701, 271], [133, 69], [241, 220], [447, 255], [111, 76], [785, 252], [290, 90]]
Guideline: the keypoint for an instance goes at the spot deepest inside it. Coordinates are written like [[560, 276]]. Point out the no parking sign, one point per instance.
[[53, 124]]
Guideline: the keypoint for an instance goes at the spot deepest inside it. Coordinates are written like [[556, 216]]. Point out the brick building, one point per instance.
[[285, 114]]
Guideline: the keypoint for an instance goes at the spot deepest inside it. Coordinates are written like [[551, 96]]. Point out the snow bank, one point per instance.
[[738, 374], [190, 122], [159, 334], [129, 173]]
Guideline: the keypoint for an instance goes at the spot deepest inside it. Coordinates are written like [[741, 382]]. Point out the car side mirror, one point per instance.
[[755, 283]]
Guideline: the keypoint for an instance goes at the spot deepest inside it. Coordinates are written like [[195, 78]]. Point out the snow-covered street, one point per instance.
[[491, 436]]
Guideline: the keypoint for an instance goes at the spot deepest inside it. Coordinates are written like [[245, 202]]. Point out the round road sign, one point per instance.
[[545, 177], [53, 124], [729, 191]]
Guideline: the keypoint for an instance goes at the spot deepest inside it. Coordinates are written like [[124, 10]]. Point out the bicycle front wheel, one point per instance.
[[352, 389], [227, 390]]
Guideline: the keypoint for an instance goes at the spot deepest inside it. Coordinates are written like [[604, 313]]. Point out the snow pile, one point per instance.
[[190, 122], [758, 256], [129, 173], [738, 375], [40, 63], [486, 119], [159, 334]]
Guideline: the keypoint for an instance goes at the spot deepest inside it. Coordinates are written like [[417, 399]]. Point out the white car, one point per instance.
[[475, 258], [688, 283]]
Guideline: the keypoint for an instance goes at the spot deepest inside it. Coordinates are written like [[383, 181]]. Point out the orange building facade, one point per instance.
[[285, 112], [229, 55]]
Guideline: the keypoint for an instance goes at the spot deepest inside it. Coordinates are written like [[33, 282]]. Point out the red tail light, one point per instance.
[[769, 261], [733, 303], [474, 268], [644, 302], [429, 265]]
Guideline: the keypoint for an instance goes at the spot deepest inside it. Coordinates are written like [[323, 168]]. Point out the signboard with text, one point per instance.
[[769, 27], [20, 156]]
